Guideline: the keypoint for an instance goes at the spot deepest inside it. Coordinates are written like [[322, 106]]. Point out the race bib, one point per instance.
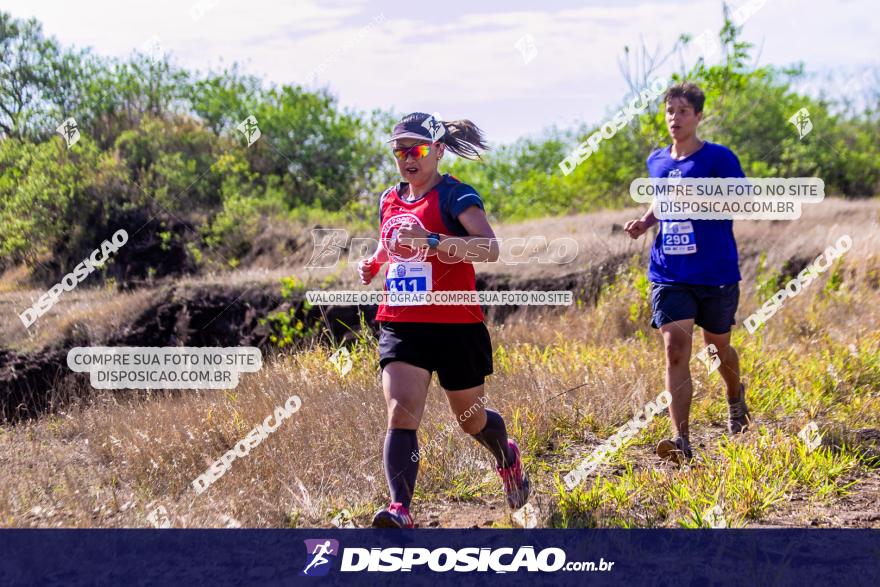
[[678, 238], [406, 283]]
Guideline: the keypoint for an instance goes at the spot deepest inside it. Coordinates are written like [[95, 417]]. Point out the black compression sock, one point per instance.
[[401, 457], [494, 437]]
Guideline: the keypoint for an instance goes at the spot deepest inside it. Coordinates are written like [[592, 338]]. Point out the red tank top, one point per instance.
[[411, 270]]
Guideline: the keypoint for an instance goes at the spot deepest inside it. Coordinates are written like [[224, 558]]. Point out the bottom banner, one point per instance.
[[439, 557]]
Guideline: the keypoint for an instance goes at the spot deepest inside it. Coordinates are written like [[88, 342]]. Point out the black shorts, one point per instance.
[[461, 354], [711, 307]]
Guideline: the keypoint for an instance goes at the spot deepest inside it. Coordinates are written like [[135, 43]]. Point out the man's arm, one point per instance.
[[636, 228], [649, 218]]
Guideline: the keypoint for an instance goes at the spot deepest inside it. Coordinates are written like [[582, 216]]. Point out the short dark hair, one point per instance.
[[690, 92]]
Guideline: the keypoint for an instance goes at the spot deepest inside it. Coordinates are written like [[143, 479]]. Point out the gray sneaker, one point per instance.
[[738, 418], [677, 450]]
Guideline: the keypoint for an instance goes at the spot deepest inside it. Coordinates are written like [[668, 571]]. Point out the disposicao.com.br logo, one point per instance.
[[441, 560]]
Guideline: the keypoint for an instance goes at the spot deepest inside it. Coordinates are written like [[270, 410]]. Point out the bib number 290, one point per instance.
[[678, 238]]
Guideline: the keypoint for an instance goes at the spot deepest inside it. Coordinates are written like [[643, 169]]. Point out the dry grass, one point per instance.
[[108, 460], [92, 313]]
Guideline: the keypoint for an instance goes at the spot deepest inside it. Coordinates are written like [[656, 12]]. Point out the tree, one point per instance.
[[26, 61]]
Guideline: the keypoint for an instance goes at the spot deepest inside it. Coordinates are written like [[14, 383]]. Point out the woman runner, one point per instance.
[[432, 228]]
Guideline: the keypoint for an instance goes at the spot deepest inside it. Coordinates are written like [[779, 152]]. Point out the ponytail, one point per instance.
[[464, 138]]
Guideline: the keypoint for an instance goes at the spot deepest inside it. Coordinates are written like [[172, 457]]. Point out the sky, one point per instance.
[[511, 66]]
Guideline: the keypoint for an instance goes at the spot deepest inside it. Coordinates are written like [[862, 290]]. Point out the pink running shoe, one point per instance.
[[516, 482], [395, 515]]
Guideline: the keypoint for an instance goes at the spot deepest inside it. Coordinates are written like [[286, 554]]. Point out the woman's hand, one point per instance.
[[367, 269], [412, 236]]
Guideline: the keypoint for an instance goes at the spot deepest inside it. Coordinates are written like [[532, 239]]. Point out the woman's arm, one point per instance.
[[368, 268], [479, 245]]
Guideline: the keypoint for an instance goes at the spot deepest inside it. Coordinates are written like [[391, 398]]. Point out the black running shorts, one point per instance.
[[711, 307], [461, 354]]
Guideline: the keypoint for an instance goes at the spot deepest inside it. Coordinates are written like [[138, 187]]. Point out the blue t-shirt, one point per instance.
[[697, 252]]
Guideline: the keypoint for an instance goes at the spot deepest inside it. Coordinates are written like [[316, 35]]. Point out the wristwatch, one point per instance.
[[433, 240]]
